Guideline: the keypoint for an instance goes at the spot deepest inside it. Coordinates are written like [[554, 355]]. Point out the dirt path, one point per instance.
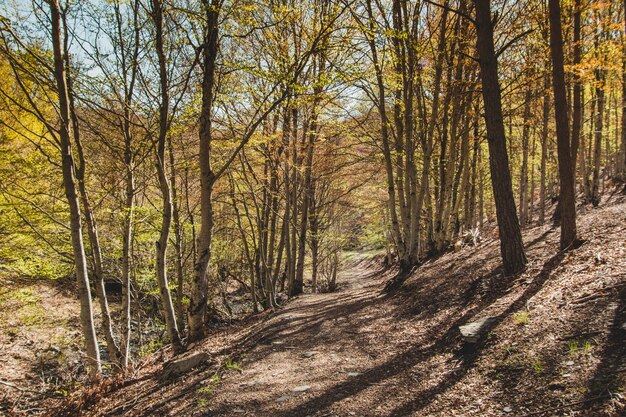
[[556, 346], [318, 342]]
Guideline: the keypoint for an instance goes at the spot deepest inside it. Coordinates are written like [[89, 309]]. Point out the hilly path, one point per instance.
[[555, 346]]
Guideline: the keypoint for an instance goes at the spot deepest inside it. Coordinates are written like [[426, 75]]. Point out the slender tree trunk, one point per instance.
[[523, 187], [598, 133], [533, 154], [382, 110], [307, 186], [427, 141], [295, 286], [304, 217], [127, 237], [577, 98], [314, 241], [511, 245], [481, 189], [178, 244], [129, 71], [470, 218], [544, 150], [90, 220], [166, 222], [69, 183], [98, 271], [200, 287], [623, 157], [567, 197]]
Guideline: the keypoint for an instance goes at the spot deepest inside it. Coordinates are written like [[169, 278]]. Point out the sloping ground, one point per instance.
[[557, 345], [40, 339]]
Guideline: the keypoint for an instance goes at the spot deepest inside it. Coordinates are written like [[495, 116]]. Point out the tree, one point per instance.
[[567, 198], [69, 182], [511, 246], [197, 306], [163, 128]]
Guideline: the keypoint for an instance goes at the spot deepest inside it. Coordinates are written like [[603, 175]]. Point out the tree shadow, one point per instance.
[[294, 327], [291, 326], [606, 378], [401, 362]]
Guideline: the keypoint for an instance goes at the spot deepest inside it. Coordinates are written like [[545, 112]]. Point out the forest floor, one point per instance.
[[556, 346]]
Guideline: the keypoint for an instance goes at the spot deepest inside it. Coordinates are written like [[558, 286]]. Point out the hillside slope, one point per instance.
[[556, 346]]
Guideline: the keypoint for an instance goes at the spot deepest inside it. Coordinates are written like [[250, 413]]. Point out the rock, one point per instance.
[[473, 331], [569, 363], [308, 354], [239, 411], [283, 398], [182, 364], [301, 388], [507, 409], [352, 374]]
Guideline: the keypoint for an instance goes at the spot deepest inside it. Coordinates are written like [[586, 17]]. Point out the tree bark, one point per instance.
[[598, 133], [178, 244], [523, 187], [69, 183], [90, 220], [382, 111], [166, 222], [129, 165], [199, 291], [567, 197], [545, 119], [511, 245], [623, 134], [577, 98]]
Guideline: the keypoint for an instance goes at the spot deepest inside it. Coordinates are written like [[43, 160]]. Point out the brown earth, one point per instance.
[[557, 346]]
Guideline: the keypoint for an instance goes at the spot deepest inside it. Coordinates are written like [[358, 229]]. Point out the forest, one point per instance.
[[313, 207]]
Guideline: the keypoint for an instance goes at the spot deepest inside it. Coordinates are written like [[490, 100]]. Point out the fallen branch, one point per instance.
[[590, 297], [8, 384]]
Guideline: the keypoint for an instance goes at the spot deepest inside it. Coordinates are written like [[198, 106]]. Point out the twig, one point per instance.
[[8, 384], [591, 297]]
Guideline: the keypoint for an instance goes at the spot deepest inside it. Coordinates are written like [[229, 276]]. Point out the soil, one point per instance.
[[556, 345]]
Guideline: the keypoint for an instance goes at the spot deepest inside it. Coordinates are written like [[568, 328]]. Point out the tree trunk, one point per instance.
[[166, 222], [382, 110], [314, 241], [200, 286], [69, 183], [577, 99], [307, 186], [523, 186], [511, 245], [295, 286], [623, 155], [90, 220], [567, 197], [129, 164], [470, 218], [598, 132], [178, 244], [127, 237], [544, 149]]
